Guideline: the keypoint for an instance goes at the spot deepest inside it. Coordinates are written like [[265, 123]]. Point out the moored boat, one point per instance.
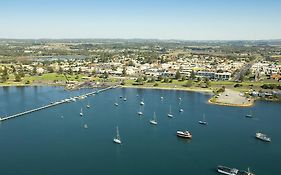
[[154, 120], [117, 139], [263, 137], [184, 134], [232, 171]]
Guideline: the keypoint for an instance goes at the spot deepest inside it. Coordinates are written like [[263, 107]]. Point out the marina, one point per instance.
[[81, 97]]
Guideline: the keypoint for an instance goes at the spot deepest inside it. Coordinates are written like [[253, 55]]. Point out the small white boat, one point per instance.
[[81, 112], [85, 126], [116, 104], [162, 98], [181, 110], [125, 99], [154, 120], [117, 139], [249, 115], [88, 105], [170, 113], [203, 122], [141, 103]]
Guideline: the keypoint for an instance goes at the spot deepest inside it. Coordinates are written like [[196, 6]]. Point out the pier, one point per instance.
[[72, 99]]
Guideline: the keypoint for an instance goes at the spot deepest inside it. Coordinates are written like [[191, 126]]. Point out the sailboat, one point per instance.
[[249, 115], [81, 112], [142, 103], [88, 105], [203, 122], [181, 110], [116, 104], [154, 120], [139, 112], [170, 113], [117, 139], [85, 126]]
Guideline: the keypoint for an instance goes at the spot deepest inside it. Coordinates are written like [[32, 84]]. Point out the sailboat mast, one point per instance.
[[117, 133]]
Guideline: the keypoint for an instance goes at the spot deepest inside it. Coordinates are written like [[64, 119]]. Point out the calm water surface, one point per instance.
[[54, 141]]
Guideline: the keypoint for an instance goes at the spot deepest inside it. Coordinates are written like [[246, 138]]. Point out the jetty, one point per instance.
[[52, 104]]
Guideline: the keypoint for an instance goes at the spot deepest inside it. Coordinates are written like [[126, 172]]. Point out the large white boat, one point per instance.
[[117, 139], [263, 137], [154, 120], [232, 171], [184, 134]]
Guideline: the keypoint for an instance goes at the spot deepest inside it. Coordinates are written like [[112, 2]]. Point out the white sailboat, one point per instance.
[[170, 113], [181, 110], [81, 112], [85, 126], [117, 139], [154, 120], [250, 115], [116, 104], [203, 122], [88, 105], [139, 112], [142, 102]]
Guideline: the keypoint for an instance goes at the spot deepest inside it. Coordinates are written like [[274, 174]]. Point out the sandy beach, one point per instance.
[[232, 98]]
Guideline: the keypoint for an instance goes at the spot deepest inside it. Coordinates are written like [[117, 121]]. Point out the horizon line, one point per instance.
[[160, 39]]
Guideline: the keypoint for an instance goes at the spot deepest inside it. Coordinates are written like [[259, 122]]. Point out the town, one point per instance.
[[247, 66]]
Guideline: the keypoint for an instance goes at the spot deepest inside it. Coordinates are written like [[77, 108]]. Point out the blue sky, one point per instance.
[[161, 19]]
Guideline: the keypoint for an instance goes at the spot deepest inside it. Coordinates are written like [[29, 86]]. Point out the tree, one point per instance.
[[192, 75], [183, 78], [17, 78], [80, 71], [139, 80], [188, 83], [50, 69], [60, 70], [34, 70], [70, 71], [5, 75], [124, 71], [13, 68], [160, 78], [178, 75], [105, 75], [94, 73]]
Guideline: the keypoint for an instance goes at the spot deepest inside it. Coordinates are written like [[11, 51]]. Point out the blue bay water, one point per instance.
[[54, 141]]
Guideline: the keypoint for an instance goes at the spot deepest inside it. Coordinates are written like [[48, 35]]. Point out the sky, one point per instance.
[[147, 19]]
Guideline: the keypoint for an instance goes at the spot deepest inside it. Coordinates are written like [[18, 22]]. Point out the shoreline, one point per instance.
[[197, 90], [232, 105], [200, 90]]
